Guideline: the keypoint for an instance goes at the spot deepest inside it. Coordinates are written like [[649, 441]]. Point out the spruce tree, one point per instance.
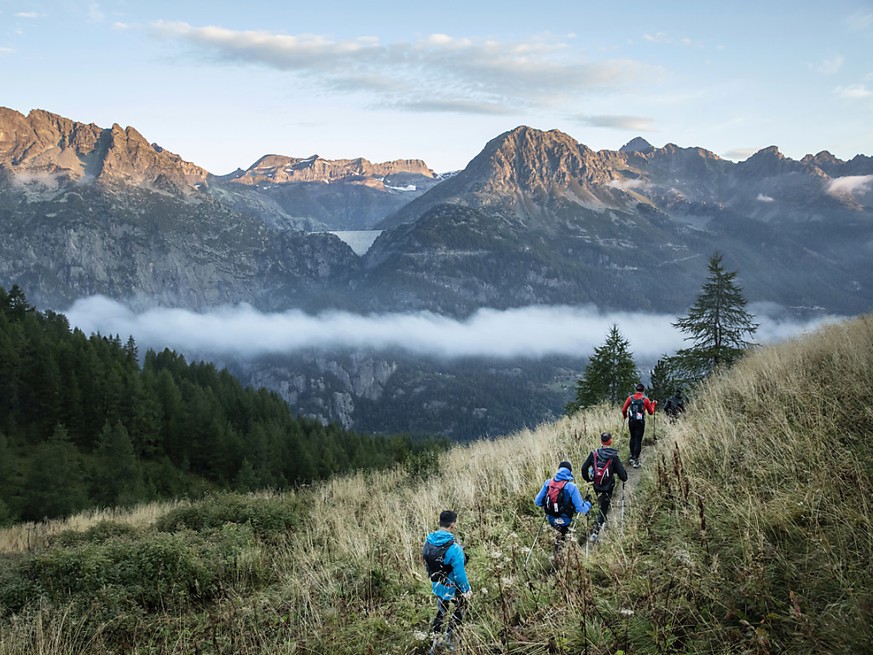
[[717, 324], [55, 485], [610, 373]]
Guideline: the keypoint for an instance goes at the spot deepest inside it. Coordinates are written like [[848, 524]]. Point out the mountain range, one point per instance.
[[535, 218]]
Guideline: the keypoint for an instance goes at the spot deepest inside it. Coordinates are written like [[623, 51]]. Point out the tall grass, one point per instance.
[[750, 532]]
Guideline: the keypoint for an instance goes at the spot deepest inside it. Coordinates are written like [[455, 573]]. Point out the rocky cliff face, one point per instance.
[[538, 217], [341, 194], [45, 147]]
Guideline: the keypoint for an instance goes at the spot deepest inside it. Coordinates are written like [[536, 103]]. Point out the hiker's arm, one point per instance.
[[624, 408], [578, 502], [538, 501], [619, 469], [456, 560], [650, 405], [589, 462]]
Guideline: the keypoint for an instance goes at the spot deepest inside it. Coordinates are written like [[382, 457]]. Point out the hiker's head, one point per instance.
[[606, 438], [640, 387], [565, 465], [678, 392], [448, 518]]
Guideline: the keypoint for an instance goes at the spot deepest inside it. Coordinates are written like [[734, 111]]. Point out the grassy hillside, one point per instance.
[[749, 532]]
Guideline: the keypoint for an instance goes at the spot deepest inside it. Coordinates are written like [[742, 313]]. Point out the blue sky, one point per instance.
[[223, 83]]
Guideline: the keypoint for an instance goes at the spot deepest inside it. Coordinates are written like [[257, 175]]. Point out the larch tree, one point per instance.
[[610, 373], [717, 324]]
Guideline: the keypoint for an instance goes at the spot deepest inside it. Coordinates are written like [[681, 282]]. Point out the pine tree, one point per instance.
[[55, 485], [718, 325], [117, 475], [610, 373]]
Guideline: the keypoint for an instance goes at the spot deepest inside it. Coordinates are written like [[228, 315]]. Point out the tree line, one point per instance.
[[717, 325], [84, 422]]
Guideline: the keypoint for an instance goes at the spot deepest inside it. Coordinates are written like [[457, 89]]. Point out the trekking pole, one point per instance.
[[530, 552], [623, 485]]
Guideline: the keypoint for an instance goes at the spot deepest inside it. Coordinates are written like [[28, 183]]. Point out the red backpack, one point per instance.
[[555, 501], [602, 471]]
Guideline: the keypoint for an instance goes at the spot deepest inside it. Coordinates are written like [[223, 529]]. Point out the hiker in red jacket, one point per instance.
[[634, 410]]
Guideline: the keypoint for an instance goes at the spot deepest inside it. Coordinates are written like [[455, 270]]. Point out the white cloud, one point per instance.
[[762, 198], [438, 72], [739, 154], [527, 332], [617, 121], [830, 66], [853, 92], [6, 51], [850, 185], [632, 184], [95, 13], [859, 21], [28, 14]]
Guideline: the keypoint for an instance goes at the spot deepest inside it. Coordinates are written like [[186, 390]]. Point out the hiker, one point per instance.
[[445, 560], [601, 468], [675, 405], [634, 410], [560, 499]]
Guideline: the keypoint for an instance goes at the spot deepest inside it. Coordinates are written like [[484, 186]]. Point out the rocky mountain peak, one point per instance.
[[280, 169], [530, 161], [637, 144], [47, 147]]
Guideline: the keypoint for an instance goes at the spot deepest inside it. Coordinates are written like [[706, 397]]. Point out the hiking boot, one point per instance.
[[594, 537], [631, 461], [636, 463]]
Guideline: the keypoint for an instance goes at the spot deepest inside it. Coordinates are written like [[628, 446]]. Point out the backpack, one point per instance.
[[636, 411], [434, 560], [602, 471], [555, 503]]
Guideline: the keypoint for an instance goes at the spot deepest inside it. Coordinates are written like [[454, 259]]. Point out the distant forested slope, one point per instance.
[[83, 424]]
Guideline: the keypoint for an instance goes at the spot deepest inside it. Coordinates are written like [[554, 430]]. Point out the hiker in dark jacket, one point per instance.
[[675, 405], [569, 501], [453, 587], [634, 410], [606, 459]]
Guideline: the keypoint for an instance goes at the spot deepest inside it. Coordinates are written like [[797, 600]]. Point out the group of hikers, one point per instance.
[[560, 499]]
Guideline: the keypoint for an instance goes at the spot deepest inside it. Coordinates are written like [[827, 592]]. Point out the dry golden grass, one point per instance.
[[751, 532]]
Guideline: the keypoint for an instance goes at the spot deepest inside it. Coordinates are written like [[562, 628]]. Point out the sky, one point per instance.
[[224, 83]]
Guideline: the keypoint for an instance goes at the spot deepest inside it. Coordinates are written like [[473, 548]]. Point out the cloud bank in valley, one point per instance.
[[527, 332]]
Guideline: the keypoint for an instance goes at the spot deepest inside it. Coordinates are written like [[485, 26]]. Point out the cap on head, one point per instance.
[[640, 387], [606, 438], [447, 518], [566, 465]]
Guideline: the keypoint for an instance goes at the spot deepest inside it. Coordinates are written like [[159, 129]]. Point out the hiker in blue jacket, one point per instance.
[[560, 499], [445, 560]]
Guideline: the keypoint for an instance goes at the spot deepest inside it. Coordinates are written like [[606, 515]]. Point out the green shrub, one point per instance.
[[267, 517]]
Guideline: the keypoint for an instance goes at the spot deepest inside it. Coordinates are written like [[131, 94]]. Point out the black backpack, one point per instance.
[[636, 411], [555, 502], [434, 559]]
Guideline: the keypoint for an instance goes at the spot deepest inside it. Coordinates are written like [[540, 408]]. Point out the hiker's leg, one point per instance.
[[560, 537], [636, 438], [603, 502], [442, 608], [458, 615]]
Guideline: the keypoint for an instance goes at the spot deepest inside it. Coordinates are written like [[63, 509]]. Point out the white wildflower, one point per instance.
[[624, 611], [496, 554], [419, 635], [506, 581]]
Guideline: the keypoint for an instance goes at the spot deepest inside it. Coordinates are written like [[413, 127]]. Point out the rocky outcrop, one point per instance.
[[278, 169], [44, 147]]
